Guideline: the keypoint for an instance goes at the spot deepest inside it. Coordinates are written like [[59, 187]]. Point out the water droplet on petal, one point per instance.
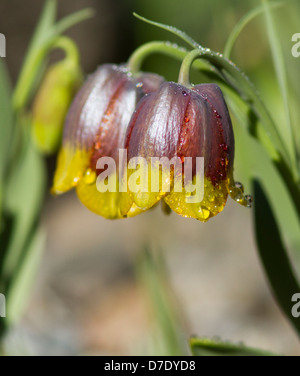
[[90, 177], [239, 185], [249, 200]]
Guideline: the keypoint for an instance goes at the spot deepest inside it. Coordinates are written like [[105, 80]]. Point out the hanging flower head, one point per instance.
[[178, 124], [95, 127]]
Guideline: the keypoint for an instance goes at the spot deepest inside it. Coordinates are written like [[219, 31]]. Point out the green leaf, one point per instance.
[[168, 327], [276, 210], [253, 162], [240, 26], [287, 132], [72, 20], [46, 21], [274, 255], [21, 284], [33, 63], [6, 118], [24, 198], [45, 36], [209, 347], [173, 30], [238, 81], [6, 128]]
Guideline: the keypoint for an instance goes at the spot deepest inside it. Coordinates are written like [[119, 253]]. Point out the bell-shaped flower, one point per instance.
[[183, 142], [95, 128]]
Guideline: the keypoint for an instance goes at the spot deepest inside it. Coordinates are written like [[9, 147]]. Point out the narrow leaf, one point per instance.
[[25, 194], [238, 81], [22, 281], [47, 20], [279, 64], [240, 26], [72, 20], [209, 347], [168, 326], [34, 56], [173, 30], [274, 255], [6, 128]]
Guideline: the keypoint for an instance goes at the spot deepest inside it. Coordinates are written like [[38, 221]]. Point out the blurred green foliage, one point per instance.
[[210, 23]]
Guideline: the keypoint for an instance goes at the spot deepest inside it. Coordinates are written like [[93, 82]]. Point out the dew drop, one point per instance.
[[90, 177], [249, 200], [239, 186], [218, 116]]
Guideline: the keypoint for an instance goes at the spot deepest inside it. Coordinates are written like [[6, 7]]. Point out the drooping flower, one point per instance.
[[95, 127], [176, 124]]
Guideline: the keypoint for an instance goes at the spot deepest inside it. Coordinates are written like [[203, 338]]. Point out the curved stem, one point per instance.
[[69, 47], [242, 85], [137, 59], [222, 68], [184, 74], [246, 89]]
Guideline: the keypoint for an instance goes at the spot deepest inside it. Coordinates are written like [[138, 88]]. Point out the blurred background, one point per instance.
[[88, 298]]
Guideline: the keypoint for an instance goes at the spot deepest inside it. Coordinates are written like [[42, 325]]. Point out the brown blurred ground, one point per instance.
[[86, 299]]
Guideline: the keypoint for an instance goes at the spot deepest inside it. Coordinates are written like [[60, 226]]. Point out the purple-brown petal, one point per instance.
[[99, 116], [149, 82], [222, 154]]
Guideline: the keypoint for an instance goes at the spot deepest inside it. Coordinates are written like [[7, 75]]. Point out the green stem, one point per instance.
[[137, 59], [249, 94], [242, 85], [38, 52], [69, 47], [184, 74], [31, 66], [273, 255], [279, 65]]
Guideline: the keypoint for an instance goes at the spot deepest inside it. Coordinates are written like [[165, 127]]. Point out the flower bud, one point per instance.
[[52, 103], [177, 124], [95, 127]]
